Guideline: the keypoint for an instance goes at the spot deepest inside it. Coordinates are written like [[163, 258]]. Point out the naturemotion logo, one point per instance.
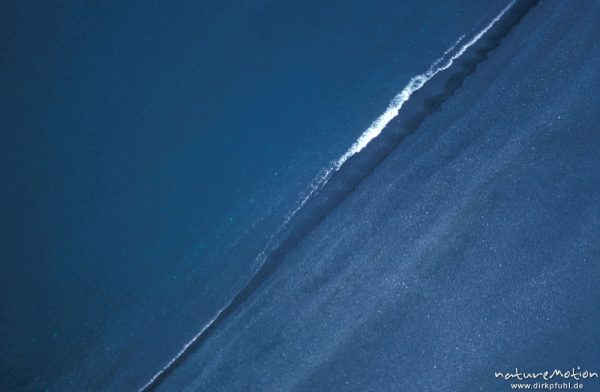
[[560, 379]]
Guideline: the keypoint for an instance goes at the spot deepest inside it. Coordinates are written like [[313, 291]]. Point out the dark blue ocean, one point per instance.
[[298, 195]]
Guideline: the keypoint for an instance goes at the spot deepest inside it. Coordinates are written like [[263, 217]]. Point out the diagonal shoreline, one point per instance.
[[424, 100]]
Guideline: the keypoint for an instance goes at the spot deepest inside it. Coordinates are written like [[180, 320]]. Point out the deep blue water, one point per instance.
[[151, 151]]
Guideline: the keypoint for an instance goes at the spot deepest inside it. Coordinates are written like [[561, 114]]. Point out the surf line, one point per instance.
[[393, 109], [374, 130]]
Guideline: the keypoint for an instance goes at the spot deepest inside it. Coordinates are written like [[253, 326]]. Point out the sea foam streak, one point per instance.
[[413, 85], [372, 132], [392, 111], [364, 139]]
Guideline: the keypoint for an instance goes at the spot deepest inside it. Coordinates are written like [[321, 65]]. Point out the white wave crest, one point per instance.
[[413, 85]]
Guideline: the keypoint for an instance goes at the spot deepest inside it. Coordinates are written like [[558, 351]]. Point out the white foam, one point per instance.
[[413, 85], [391, 112], [364, 139], [181, 352]]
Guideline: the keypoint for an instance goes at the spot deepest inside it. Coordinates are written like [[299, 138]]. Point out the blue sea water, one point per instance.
[[151, 150]]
